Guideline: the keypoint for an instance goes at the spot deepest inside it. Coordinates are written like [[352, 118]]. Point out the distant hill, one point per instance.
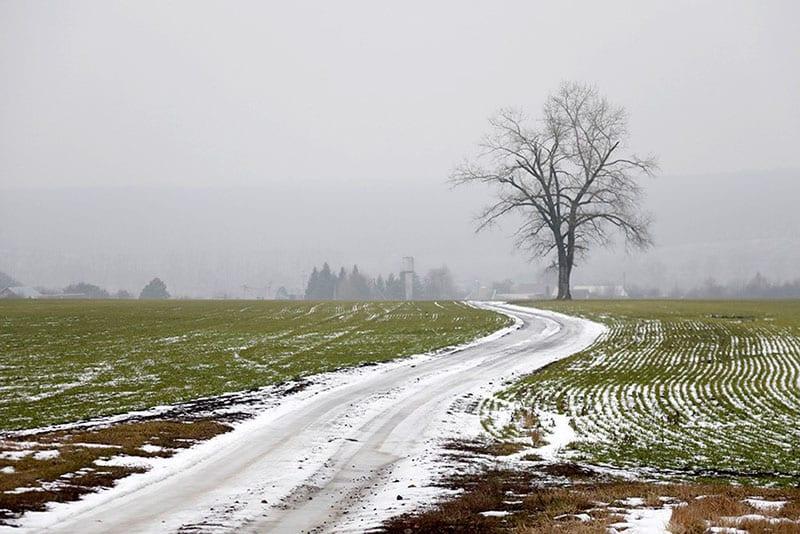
[[724, 226], [7, 281], [208, 241]]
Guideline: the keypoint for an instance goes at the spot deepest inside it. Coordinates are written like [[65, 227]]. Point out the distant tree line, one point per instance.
[[155, 289], [324, 284], [757, 287], [87, 290]]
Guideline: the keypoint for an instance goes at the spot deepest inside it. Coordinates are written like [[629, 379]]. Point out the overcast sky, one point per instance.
[[182, 93], [344, 119]]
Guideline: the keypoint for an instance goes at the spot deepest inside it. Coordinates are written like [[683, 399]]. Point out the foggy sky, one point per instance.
[[355, 103]]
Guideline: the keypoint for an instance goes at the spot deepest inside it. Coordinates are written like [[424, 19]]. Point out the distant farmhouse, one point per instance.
[[19, 292], [541, 291], [523, 292], [519, 292], [597, 292]]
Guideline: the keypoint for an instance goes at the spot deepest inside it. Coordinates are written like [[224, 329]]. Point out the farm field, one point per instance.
[[696, 389], [64, 361]]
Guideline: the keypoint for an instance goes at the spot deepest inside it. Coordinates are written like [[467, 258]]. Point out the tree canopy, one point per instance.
[[570, 176], [355, 285], [155, 289], [90, 290]]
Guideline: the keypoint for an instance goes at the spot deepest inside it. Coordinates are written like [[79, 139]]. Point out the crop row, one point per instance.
[[63, 361], [698, 388]]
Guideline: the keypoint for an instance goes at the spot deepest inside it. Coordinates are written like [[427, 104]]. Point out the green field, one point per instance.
[[702, 388], [71, 360]]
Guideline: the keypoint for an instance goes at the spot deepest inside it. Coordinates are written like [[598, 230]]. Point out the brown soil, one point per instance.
[[73, 472]]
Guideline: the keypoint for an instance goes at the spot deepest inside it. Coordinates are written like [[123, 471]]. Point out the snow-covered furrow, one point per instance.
[[712, 392]]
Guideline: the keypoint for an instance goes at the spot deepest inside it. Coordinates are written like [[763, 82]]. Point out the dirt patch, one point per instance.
[[568, 470], [62, 465]]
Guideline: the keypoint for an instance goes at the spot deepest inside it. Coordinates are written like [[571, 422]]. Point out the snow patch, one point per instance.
[[123, 461], [559, 436], [644, 521], [495, 513], [762, 504], [46, 455]]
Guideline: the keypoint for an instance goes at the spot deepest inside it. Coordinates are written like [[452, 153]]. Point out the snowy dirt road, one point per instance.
[[342, 455]]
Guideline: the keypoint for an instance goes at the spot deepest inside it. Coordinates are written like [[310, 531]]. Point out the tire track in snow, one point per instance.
[[334, 456]]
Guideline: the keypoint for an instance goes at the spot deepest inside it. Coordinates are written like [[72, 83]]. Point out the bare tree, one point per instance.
[[569, 178]]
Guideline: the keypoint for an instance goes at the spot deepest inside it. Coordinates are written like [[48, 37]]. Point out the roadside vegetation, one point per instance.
[[568, 499], [62, 465], [699, 400], [63, 361], [693, 389]]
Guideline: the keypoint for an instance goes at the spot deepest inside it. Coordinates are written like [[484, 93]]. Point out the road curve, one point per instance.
[[341, 457]]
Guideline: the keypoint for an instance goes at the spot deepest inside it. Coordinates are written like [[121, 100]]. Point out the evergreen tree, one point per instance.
[[342, 291], [439, 284], [312, 289], [394, 288], [327, 283], [359, 285]]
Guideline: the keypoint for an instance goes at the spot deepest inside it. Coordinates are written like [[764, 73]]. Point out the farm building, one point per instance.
[[525, 291], [19, 292], [597, 292]]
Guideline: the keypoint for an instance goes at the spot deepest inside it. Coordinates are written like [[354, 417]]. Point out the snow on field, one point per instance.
[[690, 390], [365, 441], [762, 504], [560, 434], [162, 352], [46, 455], [495, 513], [644, 521], [124, 461]]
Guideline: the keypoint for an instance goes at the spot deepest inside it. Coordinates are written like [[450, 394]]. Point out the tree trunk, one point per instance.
[[564, 271]]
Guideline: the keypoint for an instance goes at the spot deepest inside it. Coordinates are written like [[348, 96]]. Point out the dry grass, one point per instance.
[[695, 516], [528, 419], [73, 471], [531, 426], [536, 505], [701, 513]]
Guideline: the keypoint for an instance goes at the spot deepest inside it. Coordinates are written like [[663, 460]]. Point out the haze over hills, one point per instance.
[[7, 281], [211, 241], [215, 147], [725, 226]]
